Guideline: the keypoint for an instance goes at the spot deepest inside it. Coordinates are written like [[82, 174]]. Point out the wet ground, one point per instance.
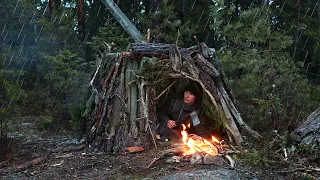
[[56, 161]]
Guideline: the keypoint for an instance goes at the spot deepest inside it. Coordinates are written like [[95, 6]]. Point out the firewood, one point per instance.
[[174, 151], [231, 161]]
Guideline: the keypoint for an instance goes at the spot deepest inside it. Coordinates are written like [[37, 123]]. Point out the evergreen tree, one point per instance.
[[261, 71]]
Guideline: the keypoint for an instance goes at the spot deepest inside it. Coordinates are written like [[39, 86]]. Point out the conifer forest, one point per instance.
[[82, 83]]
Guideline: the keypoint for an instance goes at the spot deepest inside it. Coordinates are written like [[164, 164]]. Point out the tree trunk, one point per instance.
[[52, 8], [81, 19], [318, 4]]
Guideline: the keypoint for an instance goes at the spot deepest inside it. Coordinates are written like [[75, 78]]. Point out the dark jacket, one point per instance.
[[175, 108]]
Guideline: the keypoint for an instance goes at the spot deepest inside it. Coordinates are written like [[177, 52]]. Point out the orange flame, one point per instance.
[[197, 143]]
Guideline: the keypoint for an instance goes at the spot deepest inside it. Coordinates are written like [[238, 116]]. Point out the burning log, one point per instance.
[[197, 150]]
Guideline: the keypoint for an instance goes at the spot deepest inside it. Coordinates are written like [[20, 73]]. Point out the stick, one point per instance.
[[115, 73], [95, 74], [230, 160], [145, 111], [153, 161], [165, 90]]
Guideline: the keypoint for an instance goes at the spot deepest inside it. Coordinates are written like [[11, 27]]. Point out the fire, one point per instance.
[[198, 144]]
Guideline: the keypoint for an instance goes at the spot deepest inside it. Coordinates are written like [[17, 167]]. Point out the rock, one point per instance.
[[216, 160], [196, 158], [204, 174]]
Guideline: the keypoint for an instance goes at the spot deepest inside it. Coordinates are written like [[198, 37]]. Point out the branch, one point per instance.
[[165, 90]]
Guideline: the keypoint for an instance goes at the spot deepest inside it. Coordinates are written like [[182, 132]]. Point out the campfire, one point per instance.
[[196, 143], [198, 150]]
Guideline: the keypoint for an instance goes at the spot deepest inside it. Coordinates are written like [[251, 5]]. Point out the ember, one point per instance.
[[196, 143]]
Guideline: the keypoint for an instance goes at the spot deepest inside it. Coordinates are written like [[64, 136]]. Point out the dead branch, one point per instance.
[[109, 92], [153, 161], [231, 161], [165, 90], [237, 116], [95, 74]]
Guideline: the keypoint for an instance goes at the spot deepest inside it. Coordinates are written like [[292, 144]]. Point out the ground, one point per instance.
[[29, 143]]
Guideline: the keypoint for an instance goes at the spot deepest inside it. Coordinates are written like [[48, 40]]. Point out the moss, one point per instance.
[[45, 121], [251, 157], [217, 118]]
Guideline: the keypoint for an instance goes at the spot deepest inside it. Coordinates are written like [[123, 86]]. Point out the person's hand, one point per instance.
[[171, 124]]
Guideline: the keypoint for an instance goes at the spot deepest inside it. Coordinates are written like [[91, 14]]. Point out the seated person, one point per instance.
[[176, 108]]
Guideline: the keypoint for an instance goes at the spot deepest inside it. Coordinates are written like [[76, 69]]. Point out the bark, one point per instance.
[[237, 116], [133, 89], [52, 8], [318, 4], [309, 131], [81, 19]]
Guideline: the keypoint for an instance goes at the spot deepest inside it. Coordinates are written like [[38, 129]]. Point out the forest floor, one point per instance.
[[38, 154]]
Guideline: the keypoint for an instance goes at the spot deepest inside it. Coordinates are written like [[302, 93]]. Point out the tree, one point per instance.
[[81, 19], [260, 69]]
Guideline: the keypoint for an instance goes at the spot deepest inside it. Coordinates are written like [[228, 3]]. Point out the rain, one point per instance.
[[43, 56]]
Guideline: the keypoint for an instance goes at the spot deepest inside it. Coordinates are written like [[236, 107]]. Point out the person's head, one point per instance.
[[192, 94]]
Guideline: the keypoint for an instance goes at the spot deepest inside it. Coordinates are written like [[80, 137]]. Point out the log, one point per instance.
[[237, 116], [154, 50], [124, 21], [309, 131], [230, 125]]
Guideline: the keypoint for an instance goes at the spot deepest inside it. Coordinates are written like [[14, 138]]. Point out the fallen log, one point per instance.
[[309, 131]]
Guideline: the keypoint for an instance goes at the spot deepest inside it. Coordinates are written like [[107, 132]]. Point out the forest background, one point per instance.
[[269, 50]]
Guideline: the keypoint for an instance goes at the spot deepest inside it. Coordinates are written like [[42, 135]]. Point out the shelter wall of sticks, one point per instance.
[[126, 87]]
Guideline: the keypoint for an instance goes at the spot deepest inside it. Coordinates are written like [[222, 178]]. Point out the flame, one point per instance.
[[197, 143]]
